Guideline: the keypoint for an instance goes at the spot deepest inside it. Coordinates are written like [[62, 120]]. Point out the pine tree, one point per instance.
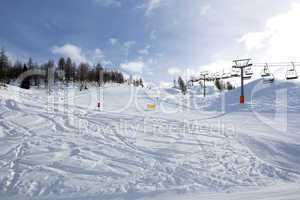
[[36, 78], [25, 84], [99, 74], [30, 66], [49, 78], [68, 70], [83, 75], [16, 70], [182, 85], [3, 66], [60, 73], [30, 63], [61, 63], [141, 82], [229, 86], [174, 83], [219, 85]]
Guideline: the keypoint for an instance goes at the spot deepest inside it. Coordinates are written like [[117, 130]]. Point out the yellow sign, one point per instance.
[[151, 106]]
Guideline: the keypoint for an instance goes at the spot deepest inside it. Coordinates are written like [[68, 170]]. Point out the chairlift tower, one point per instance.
[[204, 78], [242, 64]]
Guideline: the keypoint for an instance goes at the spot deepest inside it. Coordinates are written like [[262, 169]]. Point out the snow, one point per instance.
[[63, 147]]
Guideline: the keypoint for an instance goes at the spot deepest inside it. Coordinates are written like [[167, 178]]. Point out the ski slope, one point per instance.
[[63, 147]]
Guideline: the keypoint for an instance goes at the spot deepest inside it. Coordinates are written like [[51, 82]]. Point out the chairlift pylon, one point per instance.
[[248, 73], [291, 73]]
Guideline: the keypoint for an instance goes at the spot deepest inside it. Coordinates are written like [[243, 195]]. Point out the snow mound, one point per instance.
[[279, 96]]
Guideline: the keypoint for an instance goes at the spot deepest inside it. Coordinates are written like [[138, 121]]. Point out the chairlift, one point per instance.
[[235, 72], [194, 79], [267, 76], [190, 84], [291, 73], [210, 77], [268, 79], [266, 71], [248, 71], [226, 75], [218, 76], [247, 76]]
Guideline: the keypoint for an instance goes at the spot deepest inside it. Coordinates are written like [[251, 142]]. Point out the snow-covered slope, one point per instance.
[[126, 151]]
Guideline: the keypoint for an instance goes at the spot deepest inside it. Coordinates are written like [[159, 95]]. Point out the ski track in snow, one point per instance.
[[84, 155]]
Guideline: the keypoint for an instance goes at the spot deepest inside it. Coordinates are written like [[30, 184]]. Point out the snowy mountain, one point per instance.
[[190, 147]]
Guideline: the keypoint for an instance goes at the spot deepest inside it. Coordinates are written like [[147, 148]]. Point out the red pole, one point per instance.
[[242, 99]]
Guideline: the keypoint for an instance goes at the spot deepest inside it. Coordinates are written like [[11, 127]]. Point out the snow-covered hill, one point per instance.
[[126, 151]]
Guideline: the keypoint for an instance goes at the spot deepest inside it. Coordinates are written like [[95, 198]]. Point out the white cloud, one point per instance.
[[109, 3], [133, 67], [113, 41], [122, 47], [72, 51], [153, 35], [164, 84], [144, 51], [174, 71], [216, 66], [12, 57], [204, 10], [153, 5], [280, 40], [79, 56], [255, 41], [129, 44], [96, 56], [185, 73]]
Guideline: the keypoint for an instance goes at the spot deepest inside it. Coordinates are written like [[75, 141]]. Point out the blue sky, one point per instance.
[[157, 39]]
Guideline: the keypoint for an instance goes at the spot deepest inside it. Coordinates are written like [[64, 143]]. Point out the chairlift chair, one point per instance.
[[235, 72], [247, 77], [291, 73], [190, 84], [248, 71], [266, 71], [218, 76], [269, 79], [194, 79], [226, 75], [267, 76], [210, 77]]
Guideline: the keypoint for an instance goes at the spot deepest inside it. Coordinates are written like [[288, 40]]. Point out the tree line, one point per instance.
[[64, 70], [219, 84]]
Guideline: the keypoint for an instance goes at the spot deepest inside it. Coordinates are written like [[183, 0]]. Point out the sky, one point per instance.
[[155, 39]]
